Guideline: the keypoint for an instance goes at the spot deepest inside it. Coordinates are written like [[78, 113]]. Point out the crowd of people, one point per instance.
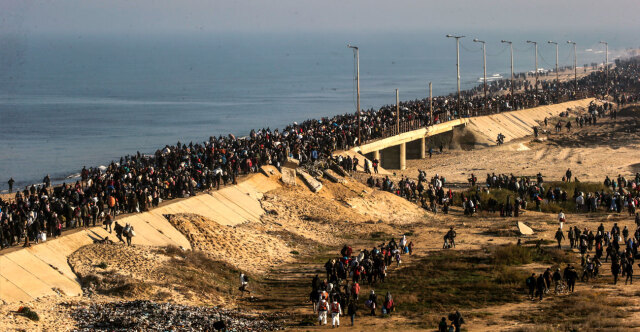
[[592, 249], [542, 284], [139, 182], [339, 291]]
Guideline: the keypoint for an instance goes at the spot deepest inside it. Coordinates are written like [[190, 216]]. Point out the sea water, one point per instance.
[[84, 100]]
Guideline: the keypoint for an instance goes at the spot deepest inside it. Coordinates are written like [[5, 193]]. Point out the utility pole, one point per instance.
[[484, 69], [536, 71], [511, 47], [575, 67], [557, 73], [398, 111], [458, 70], [430, 103], [606, 58], [356, 54]]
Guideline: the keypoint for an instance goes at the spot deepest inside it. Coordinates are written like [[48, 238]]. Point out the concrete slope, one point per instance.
[[43, 270], [516, 124]]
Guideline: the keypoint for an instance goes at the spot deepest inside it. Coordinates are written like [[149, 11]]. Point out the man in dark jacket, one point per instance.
[[570, 275], [442, 327], [119, 230], [559, 238], [531, 283], [457, 320], [541, 285], [352, 310]]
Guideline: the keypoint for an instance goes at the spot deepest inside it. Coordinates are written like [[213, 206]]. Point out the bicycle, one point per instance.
[[561, 287]]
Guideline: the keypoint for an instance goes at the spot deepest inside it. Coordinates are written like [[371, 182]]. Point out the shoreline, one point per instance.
[[74, 176]]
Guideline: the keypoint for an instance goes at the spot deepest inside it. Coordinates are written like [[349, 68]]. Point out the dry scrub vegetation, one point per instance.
[[582, 311], [154, 273]]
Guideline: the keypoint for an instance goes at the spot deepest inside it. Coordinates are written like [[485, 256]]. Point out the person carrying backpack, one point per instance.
[[336, 309], [129, 233], [323, 306], [457, 320]]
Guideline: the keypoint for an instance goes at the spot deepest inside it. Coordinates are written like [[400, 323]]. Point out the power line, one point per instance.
[[469, 50], [523, 50], [504, 49], [544, 60]]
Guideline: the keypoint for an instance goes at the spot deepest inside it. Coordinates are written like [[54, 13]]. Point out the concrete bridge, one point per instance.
[[392, 152]]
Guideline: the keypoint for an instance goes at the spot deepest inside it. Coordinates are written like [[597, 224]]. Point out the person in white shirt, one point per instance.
[[322, 312], [244, 282], [335, 313], [561, 219]]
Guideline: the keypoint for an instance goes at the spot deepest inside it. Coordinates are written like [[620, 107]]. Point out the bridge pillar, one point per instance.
[[394, 157], [416, 149], [403, 156]]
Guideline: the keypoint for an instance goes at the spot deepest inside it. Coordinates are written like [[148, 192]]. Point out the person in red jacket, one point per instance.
[[355, 290]]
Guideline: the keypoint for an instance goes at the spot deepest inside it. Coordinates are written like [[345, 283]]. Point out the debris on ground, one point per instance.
[[150, 316]]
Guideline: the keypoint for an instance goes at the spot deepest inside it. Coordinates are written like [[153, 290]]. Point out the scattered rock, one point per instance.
[[151, 316]]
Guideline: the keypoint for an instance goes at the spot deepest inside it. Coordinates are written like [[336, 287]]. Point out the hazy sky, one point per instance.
[[349, 16]]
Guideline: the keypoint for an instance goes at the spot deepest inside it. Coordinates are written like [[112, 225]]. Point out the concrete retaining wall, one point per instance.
[[43, 270], [517, 124]]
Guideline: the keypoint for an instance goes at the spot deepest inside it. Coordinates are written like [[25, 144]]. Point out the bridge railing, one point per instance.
[[414, 124], [405, 126]]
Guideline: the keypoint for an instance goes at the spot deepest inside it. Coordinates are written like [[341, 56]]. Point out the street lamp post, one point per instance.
[[575, 67], [458, 70], [356, 53], [536, 55], [484, 69], [511, 47], [557, 73], [606, 58], [397, 111]]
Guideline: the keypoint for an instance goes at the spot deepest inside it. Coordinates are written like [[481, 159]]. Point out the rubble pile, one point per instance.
[[150, 316]]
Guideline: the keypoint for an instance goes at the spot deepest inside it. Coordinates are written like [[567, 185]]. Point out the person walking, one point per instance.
[[559, 237], [128, 233], [443, 326], [570, 275], [352, 310], [531, 284], [107, 223], [571, 238], [373, 302], [335, 313], [561, 218], [628, 269], [615, 268], [457, 320], [322, 312], [541, 285], [10, 183], [244, 283], [119, 231]]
